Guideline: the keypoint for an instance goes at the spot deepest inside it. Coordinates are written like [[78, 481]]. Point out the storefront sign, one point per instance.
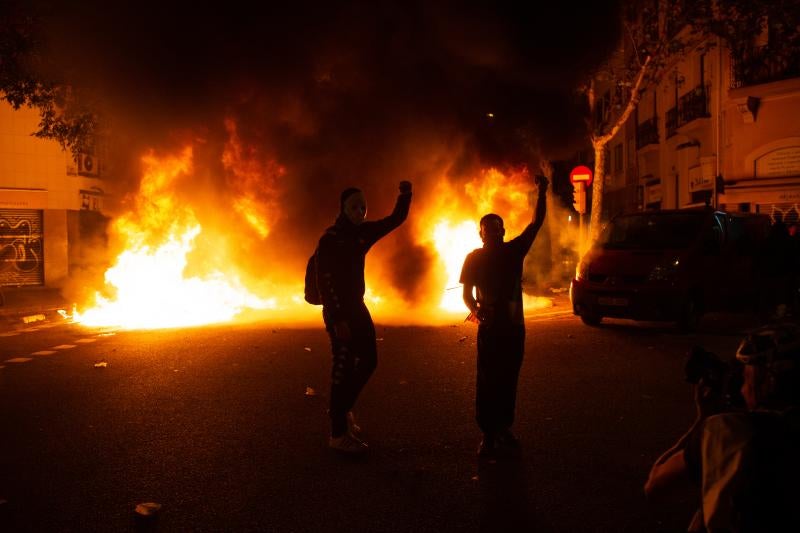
[[778, 163], [23, 199], [789, 196], [698, 180]]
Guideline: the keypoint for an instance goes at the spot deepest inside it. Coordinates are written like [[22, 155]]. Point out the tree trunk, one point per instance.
[[599, 146]]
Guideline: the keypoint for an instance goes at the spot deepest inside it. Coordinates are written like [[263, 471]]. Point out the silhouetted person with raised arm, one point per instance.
[[340, 278], [494, 273]]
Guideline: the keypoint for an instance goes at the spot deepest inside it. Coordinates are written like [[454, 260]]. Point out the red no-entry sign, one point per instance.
[[581, 174]]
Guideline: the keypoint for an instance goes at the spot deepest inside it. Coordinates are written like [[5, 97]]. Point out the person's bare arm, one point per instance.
[[669, 474], [525, 239], [469, 299]]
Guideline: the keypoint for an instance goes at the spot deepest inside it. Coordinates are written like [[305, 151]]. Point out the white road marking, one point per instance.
[[550, 314], [19, 360], [85, 341], [63, 347], [44, 352]]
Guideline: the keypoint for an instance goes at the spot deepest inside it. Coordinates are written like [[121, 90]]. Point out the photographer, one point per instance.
[[745, 460]]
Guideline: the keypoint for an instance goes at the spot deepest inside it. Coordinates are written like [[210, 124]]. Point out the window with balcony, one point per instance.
[[647, 133], [691, 106], [772, 55]]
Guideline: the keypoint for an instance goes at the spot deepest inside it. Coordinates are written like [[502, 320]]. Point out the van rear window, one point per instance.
[[656, 231]]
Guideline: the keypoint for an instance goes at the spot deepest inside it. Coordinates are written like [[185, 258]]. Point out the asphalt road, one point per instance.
[[225, 427]]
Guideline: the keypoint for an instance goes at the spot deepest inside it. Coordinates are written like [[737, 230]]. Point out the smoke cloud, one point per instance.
[[327, 95]]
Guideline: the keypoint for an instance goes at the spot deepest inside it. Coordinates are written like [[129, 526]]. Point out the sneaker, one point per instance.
[[352, 427], [348, 444]]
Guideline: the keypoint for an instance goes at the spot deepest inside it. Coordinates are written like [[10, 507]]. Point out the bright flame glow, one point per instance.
[[456, 231], [167, 276], [453, 242], [149, 287], [152, 292]]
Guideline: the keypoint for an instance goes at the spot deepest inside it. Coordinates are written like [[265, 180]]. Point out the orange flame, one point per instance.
[[150, 286], [255, 186], [455, 225], [150, 290]]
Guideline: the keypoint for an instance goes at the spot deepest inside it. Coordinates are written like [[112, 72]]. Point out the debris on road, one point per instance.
[[403, 382], [148, 509], [307, 349], [462, 339], [101, 364], [33, 318], [310, 392]]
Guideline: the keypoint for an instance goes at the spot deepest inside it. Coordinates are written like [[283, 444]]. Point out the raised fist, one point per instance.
[[405, 187]]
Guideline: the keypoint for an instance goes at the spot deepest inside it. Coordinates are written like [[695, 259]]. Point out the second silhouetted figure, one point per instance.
[[494, 272]]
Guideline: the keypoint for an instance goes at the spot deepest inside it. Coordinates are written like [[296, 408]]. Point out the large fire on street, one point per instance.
[[159, 280]]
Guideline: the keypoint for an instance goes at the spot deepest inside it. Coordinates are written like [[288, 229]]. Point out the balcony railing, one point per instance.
[[691, 106], [647, 133], [764, 65]]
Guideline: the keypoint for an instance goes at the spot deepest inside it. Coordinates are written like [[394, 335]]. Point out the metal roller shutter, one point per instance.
[[21, 247]]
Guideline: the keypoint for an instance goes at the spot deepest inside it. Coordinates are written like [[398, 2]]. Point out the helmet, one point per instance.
[[775, 346]]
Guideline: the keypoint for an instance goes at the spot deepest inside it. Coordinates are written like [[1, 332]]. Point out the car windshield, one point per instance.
[[653, 231]]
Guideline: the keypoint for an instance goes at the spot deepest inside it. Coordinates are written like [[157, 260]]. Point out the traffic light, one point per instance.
[[579, 197]]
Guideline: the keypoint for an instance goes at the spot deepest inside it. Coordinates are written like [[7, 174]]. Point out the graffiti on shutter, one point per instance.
[[21, 247]]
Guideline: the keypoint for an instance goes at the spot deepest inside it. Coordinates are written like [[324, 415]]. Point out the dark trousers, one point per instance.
[[500, 352], [354, 362]]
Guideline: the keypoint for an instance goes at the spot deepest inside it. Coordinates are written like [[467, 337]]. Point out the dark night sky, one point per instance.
[[359, 70], [339, 93]]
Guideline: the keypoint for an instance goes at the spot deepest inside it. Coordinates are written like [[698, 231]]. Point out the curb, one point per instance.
[[16, 318]]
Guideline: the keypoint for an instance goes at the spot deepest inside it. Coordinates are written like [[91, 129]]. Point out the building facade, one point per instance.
[[51, 205], [720, 128]]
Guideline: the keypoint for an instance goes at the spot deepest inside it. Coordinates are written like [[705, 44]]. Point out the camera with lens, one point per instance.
[[724, 380]]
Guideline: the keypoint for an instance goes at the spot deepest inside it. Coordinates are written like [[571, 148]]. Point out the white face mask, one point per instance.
[[355, 208]]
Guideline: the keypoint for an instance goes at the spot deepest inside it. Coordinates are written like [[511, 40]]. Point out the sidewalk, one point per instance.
[[21, 306]]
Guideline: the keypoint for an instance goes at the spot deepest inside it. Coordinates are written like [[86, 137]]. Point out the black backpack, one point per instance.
[[312, 294]]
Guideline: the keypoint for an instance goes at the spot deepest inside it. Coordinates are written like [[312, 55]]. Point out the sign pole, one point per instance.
[[581, 177], [582, 187]]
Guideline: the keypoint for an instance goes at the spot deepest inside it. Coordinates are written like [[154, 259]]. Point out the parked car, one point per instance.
[[671, 265]]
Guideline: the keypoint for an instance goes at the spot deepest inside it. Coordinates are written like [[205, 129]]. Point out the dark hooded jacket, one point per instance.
[[340, 258]]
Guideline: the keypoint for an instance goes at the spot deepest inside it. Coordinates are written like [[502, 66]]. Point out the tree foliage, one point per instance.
[[67, 114]]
